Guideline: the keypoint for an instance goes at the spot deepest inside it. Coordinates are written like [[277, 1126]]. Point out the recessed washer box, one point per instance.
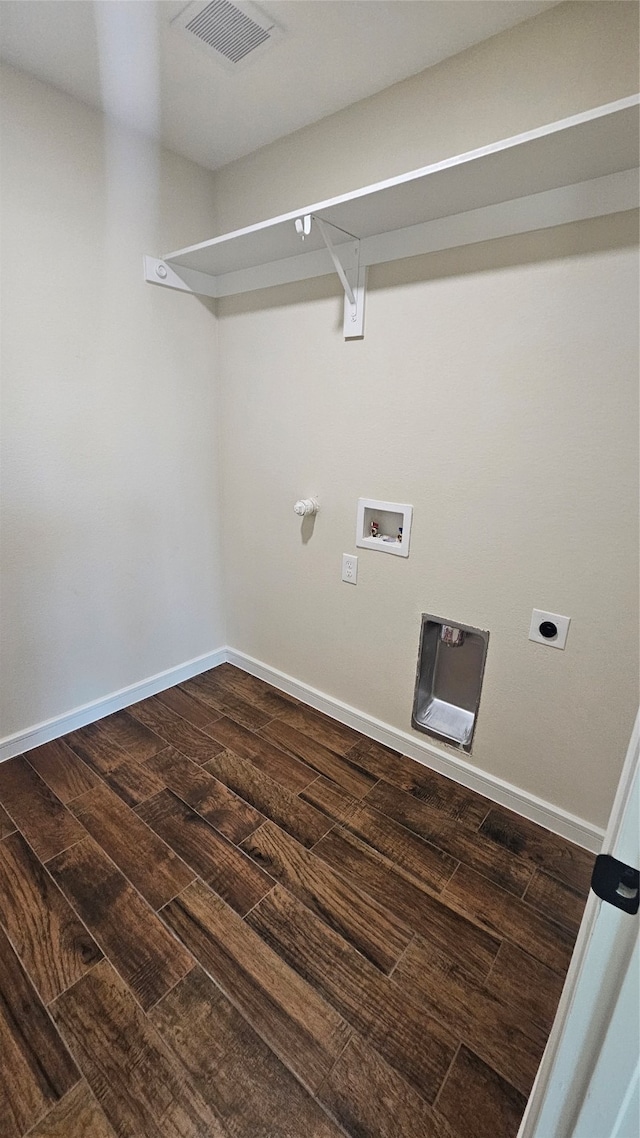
[[385, 526], [451, 660]]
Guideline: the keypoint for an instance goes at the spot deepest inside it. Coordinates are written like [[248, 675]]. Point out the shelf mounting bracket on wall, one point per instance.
[[577, 168], [354, 288]]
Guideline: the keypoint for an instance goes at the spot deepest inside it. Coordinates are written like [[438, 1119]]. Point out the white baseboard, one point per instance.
[[554, 818], [98, 708], [545, 814]]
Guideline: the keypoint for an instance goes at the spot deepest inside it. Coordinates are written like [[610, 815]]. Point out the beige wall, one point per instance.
[[110, 566], [495, 389]]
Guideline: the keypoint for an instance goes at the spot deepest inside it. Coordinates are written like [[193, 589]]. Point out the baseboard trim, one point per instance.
[[98, 708], [545, 814]]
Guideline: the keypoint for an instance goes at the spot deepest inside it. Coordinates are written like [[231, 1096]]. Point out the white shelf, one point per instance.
[[579, 167]]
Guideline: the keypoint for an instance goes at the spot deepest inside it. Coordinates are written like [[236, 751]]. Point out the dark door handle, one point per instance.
[[617, 883]]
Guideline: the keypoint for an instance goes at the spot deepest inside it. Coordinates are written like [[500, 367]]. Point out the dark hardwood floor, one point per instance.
[[224, 915]]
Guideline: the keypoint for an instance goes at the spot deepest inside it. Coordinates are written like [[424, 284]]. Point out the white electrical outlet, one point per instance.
[[549, 628], [350, 568]]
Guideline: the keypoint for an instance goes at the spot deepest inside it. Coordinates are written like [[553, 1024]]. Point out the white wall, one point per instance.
[[110, 560], [495, 389]]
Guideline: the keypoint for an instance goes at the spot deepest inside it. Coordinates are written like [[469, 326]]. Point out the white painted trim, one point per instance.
[[89, 712], [602, 953], [545, 814]]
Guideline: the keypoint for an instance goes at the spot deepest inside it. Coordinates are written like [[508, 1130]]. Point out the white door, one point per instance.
[[587, 1085]]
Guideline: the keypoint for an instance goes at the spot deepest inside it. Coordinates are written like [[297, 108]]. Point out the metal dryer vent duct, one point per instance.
[[229, 33]]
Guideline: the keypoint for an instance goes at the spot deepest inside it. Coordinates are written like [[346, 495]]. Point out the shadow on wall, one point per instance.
[[307, 527]]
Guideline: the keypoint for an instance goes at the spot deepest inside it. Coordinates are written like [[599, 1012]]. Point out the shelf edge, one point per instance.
[[513, 141], [613, 193]]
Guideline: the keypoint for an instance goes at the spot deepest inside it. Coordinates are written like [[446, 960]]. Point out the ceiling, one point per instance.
[[126, 58]]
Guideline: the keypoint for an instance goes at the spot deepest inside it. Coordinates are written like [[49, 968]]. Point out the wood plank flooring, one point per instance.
[[225, 915]]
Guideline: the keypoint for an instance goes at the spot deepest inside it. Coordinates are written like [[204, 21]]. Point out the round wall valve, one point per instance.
[[548, 629], [306, 506]]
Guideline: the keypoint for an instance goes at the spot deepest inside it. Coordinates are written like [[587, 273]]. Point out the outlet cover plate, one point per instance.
[[561, 622], [350, 568]]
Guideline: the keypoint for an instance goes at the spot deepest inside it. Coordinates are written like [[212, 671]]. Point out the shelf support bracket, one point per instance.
[[326, 237], [354, 289], [184, 280]]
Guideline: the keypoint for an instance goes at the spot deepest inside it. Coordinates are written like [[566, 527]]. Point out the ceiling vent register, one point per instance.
[[230, 33]]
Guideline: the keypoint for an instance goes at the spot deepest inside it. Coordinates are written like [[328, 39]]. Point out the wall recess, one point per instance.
[[385, 526]]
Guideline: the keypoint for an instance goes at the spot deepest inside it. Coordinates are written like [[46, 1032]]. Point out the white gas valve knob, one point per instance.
[[306, 506]]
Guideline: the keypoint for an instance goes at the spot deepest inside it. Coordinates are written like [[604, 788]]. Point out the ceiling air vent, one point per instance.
[[230, 33]]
